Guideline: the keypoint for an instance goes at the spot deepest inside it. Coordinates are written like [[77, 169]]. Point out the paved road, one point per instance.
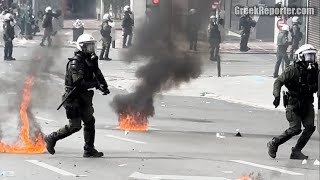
[[182, 143]]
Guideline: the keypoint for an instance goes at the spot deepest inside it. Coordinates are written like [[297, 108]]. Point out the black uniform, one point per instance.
[[127, 26], [296, 38], [214, 40], [301, 81], [48, 28], [245, 25], [82, 72], [106, 40], [283, 43], [8, 36], [193, 28]]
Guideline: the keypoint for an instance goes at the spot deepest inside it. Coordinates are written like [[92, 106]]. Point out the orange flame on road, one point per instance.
[[133, 121], [245, 178], [25, 144]]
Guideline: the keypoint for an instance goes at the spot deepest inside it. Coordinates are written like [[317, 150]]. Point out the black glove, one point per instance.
[[276, 101], [104, 89], [94, 57]]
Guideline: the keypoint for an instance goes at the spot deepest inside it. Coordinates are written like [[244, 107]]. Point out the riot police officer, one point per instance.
[[127, 27], [296, 35], [193, 28], [283, 43], [8, 37], [106, 37], [82, 74], [214, 38], [301, 80], [47, 25], [245, 25]]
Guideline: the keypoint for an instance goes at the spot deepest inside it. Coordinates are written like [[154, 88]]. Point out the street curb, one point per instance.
[[91, 29]]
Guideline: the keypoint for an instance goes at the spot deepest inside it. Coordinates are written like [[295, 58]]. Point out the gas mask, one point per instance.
[[310, 60]]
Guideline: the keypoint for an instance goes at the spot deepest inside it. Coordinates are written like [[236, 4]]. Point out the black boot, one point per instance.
[[5, 58], [272, 148], [11, 59], [92, 152], [41, 44], [297, 154], [51, 143]]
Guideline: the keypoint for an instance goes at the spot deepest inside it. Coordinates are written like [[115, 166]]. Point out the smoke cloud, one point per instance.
[[162, 41]]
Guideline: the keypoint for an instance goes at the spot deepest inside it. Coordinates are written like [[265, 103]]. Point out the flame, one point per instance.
[[133, 121], [25, 144], [245, 178]]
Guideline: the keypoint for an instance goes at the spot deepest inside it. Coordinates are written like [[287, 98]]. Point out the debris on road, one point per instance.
[[218, 135], [126, 133], [238, 133], [121, 165], [7, 174], [316, 162], [304, 161], [227, 172]]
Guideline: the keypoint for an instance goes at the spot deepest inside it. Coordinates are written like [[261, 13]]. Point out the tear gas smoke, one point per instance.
[[161, 41]]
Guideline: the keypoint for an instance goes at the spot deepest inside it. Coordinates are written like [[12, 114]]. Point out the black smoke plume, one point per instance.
[[162, 41]]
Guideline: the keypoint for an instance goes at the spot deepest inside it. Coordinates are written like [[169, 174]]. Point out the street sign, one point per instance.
[[281, 22]]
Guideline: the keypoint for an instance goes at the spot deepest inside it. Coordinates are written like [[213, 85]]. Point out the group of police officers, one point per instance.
[[83, 75]]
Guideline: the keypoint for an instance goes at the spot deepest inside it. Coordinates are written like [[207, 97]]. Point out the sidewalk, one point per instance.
[[227, 47]]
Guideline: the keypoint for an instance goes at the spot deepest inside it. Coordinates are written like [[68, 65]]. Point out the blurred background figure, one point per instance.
[[127, 27], [78, 29], [245, 24], [106, 37], [283, 43], [193, 27], [296, 35], [214, 37]]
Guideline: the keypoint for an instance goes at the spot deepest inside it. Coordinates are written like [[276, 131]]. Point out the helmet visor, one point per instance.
[[89, 48], [310, 57]]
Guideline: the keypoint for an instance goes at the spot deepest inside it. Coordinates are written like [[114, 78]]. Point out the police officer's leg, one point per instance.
[[195, 41], [309, 128], [130, 38], [10, 51], [89, 126], [49, 36], [217, 51], [124, 41], [74, 116], [286, 59], [6, 50], [212, 51], [294, 129], [44, 37], [247, 36], [293, 49], [278, 63], [103, 49], [242, 43], [108, 44]]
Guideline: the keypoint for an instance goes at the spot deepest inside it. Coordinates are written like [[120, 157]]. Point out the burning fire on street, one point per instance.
[[133, 121], [25, 144]]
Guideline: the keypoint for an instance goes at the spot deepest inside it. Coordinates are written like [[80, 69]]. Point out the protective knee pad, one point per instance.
[[295, 132], [74, 129], [310, 129]]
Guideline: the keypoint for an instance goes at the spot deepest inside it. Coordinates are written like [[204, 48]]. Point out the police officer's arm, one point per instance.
[[284, 78], [78, 76], [100, 77]]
